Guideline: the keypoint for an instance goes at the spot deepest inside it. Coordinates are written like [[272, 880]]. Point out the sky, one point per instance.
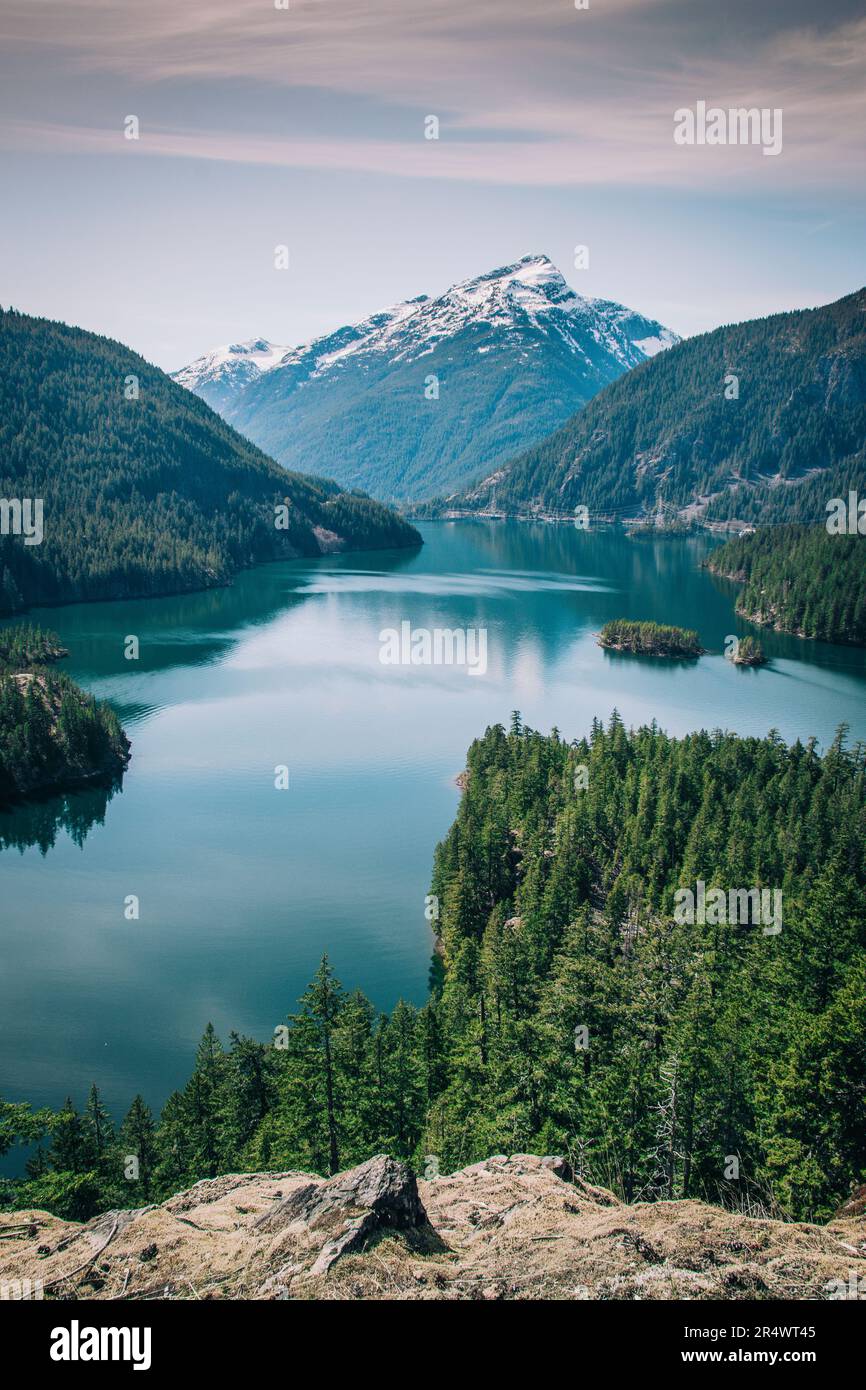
[[305, 127]]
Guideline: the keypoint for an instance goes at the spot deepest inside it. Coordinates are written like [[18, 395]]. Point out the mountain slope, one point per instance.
[[149, 495], [513, 353], [667, 434]]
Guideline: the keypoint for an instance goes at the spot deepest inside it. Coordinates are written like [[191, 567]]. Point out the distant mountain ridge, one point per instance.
[[425, 395], [754, 422], [144, 490]]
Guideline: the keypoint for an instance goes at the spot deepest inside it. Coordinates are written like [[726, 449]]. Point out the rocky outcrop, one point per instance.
[[508, 1228], [343, 1215]]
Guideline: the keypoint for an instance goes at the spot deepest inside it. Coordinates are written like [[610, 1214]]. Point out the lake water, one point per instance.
[[242, 886]]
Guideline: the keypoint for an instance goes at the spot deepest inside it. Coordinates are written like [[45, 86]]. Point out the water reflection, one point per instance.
[[39, 822]]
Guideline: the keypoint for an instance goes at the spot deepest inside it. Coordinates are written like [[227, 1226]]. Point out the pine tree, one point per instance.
[[98, 1128], [69, 1148], [138, 1141]]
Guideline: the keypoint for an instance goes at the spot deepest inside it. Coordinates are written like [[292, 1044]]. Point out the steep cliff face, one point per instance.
[[508, 1228]]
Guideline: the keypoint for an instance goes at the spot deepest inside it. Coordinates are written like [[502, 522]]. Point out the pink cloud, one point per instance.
[[572, 97]]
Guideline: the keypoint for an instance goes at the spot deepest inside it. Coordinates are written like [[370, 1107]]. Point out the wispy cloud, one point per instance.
[[538, 94]]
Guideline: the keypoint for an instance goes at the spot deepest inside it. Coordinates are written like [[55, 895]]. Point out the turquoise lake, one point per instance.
[[243, 886]]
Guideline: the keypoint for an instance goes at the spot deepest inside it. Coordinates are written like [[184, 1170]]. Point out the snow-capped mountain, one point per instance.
[[430, 394], [221, 375]]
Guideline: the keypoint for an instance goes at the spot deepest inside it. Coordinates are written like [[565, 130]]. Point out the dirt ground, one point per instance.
[[508, 1228]]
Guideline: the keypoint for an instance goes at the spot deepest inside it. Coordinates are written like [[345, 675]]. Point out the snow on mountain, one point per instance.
[[219, 376], [532, 293], [512, 353], [532, 290]]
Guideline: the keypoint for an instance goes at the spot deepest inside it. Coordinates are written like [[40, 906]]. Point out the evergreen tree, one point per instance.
[[138, 1141]]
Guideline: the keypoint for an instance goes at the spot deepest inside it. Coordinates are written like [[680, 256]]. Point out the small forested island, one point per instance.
[[53, 735], [649, 639], [799, 579], [653, 529], [571, 1009], [748, 652]]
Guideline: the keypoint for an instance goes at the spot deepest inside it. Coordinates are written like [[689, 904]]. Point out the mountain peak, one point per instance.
[[262, 351], [527, 267], [515, 351], [253, 347], [531, 272], [228, 368]]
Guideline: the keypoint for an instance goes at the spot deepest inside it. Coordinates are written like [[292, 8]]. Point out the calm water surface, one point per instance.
[[242, 886]]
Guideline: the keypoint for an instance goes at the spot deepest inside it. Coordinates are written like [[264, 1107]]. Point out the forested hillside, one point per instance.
[[144, 489], [571, 1011], [52, 734], [758, 421], [799, 579]]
